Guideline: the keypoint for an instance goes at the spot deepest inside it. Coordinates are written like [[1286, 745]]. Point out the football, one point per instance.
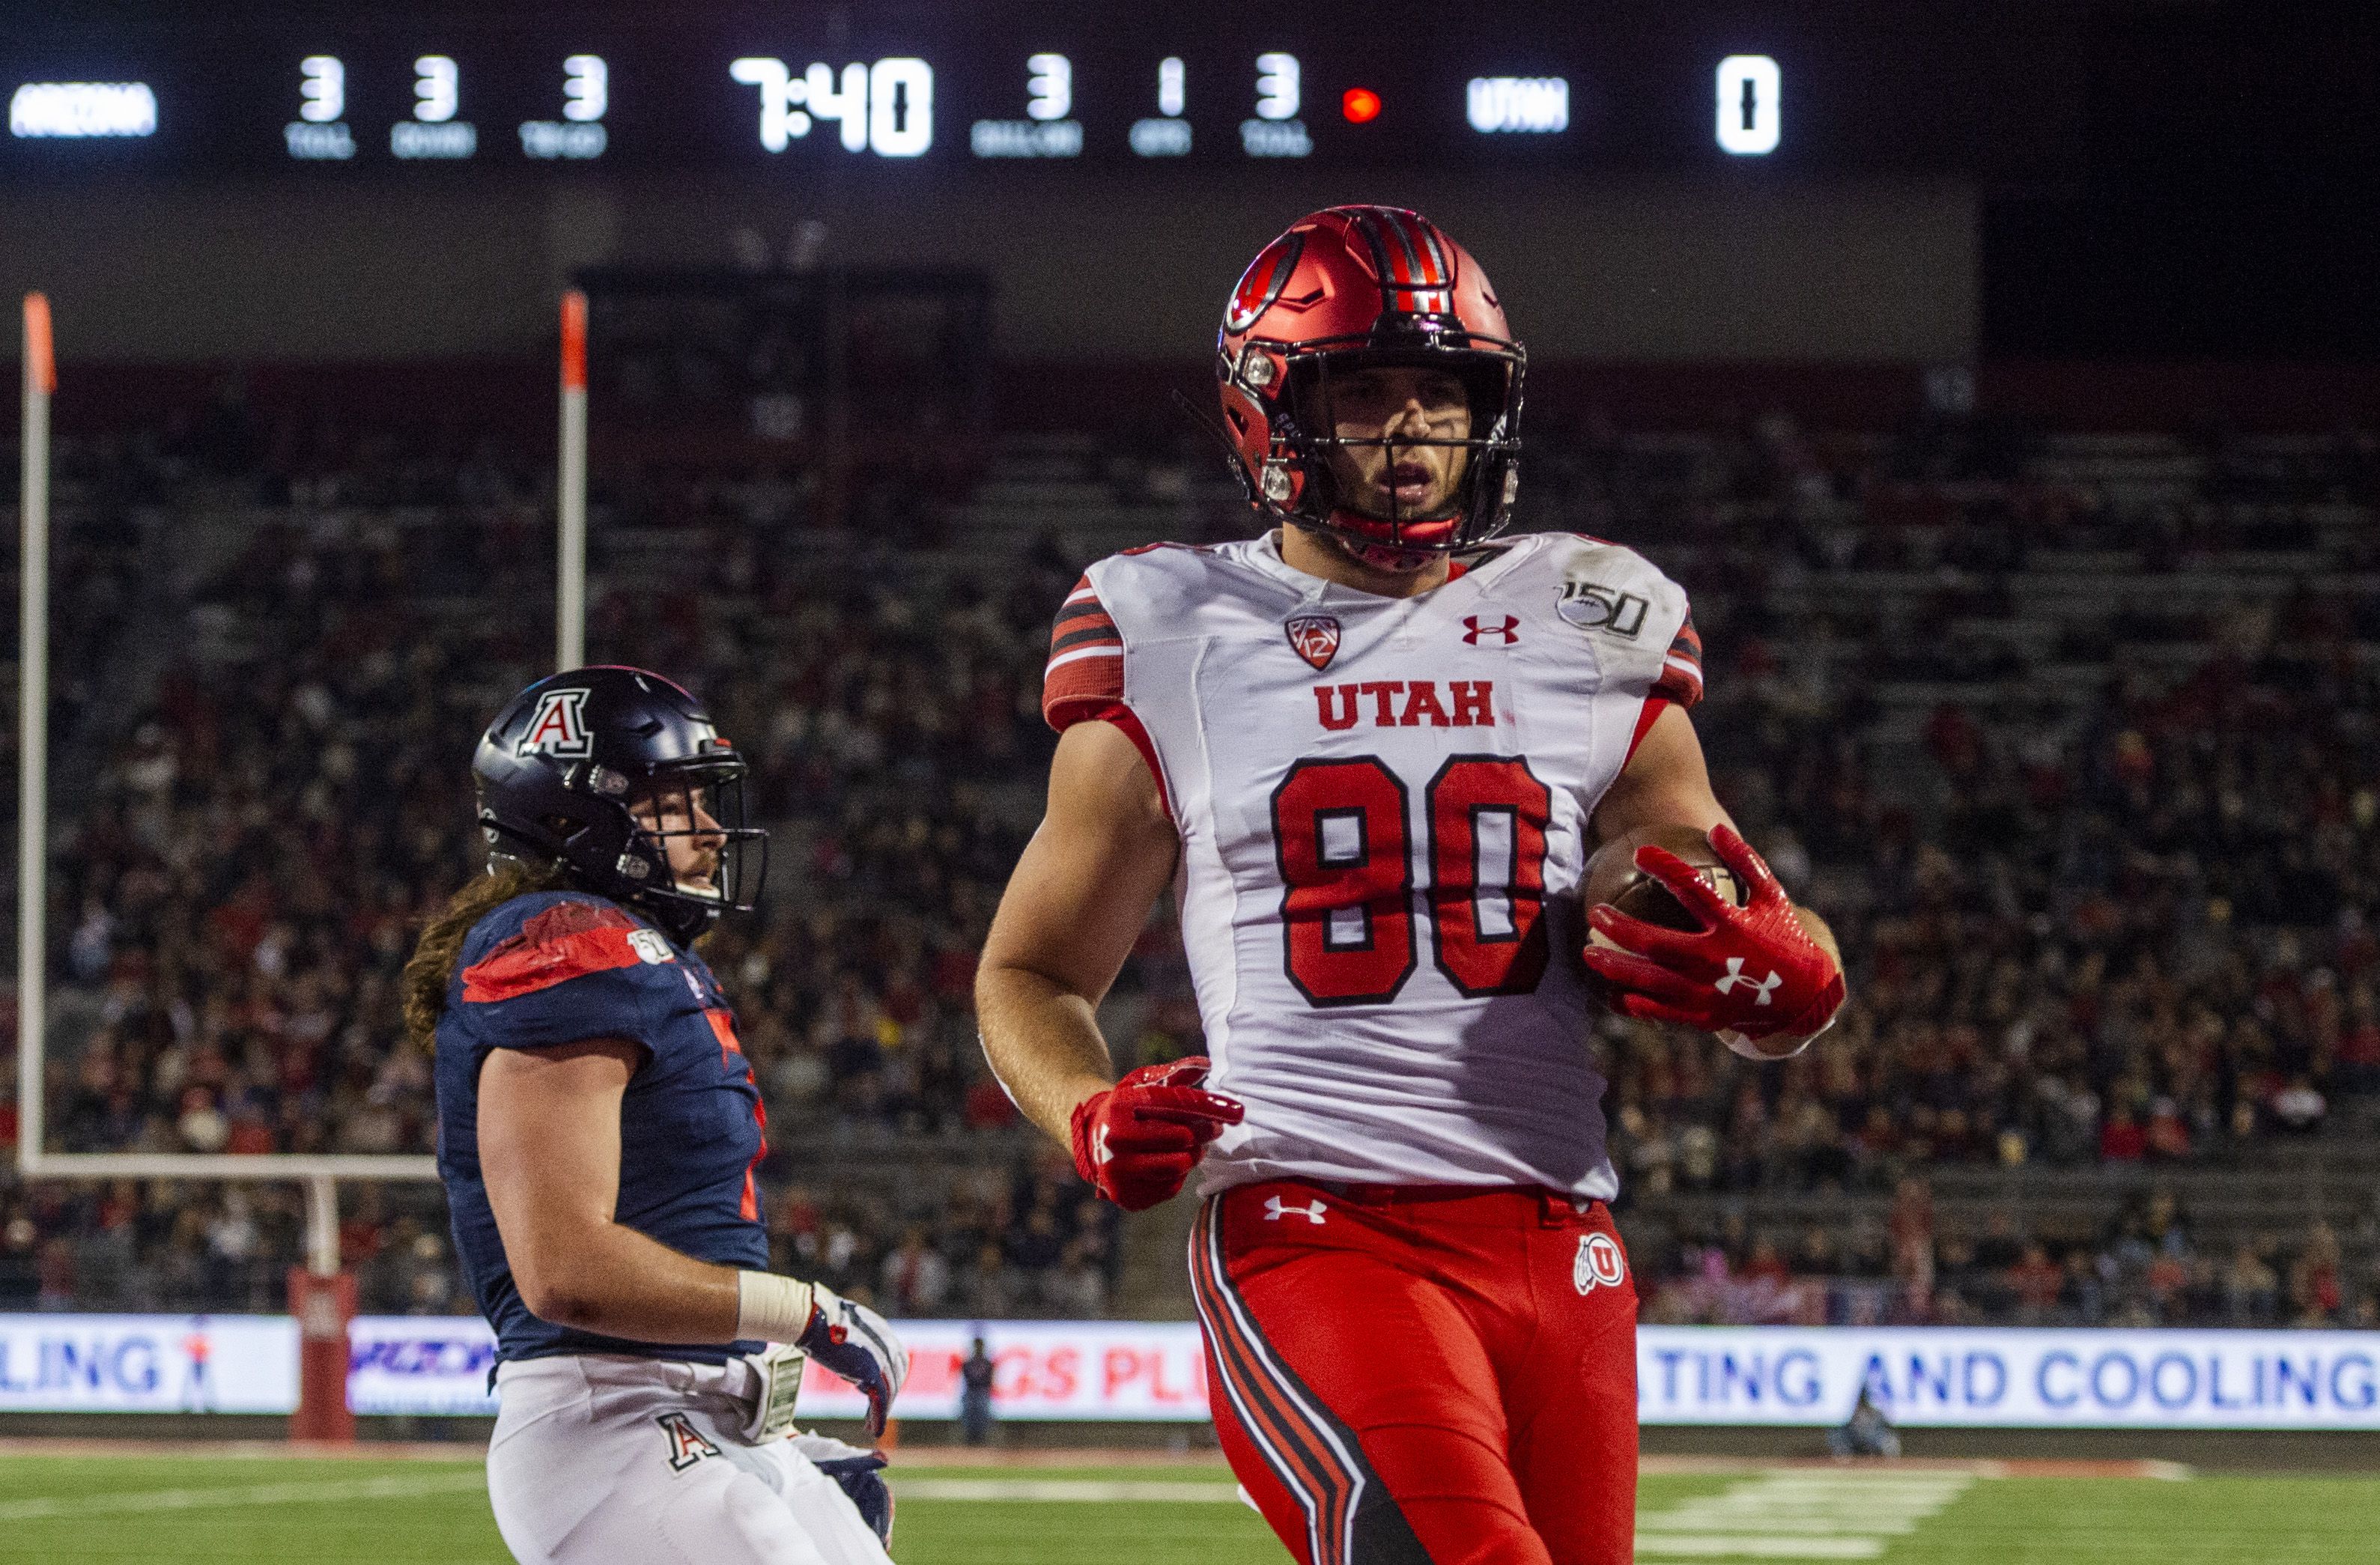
[[1612, 877]]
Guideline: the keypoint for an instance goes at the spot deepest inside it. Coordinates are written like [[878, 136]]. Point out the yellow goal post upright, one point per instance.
[[319, 1297]]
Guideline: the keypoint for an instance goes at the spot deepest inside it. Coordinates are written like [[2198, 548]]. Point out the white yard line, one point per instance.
[[1082, 1491], [1712, 1547], [406, 1486], [1799, 1515]]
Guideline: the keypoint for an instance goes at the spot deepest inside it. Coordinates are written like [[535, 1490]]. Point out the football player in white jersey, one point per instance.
[[1372, 751]]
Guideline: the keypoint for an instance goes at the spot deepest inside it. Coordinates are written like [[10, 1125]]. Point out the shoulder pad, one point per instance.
[[1613, 593], [536, 943]]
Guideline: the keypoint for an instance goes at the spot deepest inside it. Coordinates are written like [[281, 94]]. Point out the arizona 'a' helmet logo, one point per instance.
[[559, 725], [1316, 638]]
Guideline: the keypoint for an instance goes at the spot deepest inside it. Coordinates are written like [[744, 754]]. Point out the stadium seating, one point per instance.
[[2065, 733]]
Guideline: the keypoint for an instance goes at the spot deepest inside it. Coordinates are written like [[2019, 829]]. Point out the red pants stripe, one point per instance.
[[1424, 1376]]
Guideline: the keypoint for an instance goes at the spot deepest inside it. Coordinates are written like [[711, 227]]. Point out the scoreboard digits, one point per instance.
[[1041, 98], [323, 89], [586, 88], [887, 108]]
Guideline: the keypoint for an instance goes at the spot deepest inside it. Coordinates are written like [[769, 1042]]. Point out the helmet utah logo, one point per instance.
[[1315, 638], [1599, 1264], [560, 726]]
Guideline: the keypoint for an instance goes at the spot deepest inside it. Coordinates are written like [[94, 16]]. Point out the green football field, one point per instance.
[[101, 1508]]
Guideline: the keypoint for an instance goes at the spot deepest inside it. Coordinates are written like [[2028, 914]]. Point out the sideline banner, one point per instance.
[[432, 1364], [2048, 1378], [2073, 1378], [147, 1363], [1124, 1370]]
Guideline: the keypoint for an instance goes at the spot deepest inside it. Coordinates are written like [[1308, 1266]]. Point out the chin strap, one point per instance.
[[1213, 425]]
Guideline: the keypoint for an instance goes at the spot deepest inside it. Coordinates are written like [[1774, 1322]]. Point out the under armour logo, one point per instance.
[[1102, 1156], [1276, 1210], [1505, 631], [1735, 975]]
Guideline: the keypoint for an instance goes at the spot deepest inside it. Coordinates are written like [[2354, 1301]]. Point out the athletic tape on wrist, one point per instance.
[[769, 1308]]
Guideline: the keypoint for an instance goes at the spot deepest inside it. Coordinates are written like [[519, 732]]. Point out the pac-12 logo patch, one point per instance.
[[1599, 1264], [1315, 638], [560, 726], [686, 1445]]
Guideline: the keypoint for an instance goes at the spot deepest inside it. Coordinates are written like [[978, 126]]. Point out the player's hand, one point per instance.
[[1752, 970], [860, 1473], [1138, 1141], [854, 1342]]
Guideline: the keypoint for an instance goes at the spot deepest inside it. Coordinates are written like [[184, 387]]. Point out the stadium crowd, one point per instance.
[[2135, 931]]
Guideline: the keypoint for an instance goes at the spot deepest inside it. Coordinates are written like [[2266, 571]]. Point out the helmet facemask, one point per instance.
[[1304, 480], [689, 849]]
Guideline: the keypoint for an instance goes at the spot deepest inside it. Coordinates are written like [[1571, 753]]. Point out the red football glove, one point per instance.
[[1751, 970], [1138, 1141]]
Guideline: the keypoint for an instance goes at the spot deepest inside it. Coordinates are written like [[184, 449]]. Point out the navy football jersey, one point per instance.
[[556, 967]]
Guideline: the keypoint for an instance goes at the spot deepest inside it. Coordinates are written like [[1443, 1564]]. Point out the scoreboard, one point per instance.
[[807, 92]]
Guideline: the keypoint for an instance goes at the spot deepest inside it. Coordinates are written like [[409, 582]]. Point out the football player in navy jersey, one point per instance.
[[598, 1132]]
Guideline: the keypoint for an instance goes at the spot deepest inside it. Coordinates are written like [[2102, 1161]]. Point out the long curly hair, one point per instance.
[[431, 966]]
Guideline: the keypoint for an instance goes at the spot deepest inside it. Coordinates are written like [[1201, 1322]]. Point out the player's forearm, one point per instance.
[[1043, 1042], [609, 1279]]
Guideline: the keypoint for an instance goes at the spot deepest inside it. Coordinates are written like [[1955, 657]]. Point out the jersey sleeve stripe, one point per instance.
[[1081, 653], [1680, 681], [1088, 634], [1086, 668]]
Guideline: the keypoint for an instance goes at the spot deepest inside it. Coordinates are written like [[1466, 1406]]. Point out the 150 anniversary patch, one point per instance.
[[1590, 605]]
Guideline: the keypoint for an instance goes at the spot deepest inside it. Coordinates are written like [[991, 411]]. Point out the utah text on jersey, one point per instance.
[[1378, 864]]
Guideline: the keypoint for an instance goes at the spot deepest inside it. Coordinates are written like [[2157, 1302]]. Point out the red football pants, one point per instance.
[[1424, 1375]]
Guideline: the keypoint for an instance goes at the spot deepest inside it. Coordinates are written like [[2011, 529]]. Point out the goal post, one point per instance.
[[33, 731], [570, 492], [321, 1299]]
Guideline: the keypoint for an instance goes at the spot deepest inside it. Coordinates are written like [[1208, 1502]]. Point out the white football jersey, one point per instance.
[[1383, 806]]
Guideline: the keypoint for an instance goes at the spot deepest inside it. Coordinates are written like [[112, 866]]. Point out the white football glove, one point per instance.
[[857, 1343]]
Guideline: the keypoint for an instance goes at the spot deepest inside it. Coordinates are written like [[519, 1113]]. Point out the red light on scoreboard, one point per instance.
[[1360, 105]]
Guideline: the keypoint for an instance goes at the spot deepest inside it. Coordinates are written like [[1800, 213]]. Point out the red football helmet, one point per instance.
[[1350, 288]]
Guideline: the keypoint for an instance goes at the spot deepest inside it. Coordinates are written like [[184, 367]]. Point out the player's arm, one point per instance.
[[550, 1155], [1666, 782], [550, 1158], [1767, 976], [1104, 853]]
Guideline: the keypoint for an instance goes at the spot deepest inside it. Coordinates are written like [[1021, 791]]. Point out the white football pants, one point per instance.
[[602, 1460]]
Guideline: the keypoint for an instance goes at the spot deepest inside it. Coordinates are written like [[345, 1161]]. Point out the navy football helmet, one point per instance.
[[568, 766]]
